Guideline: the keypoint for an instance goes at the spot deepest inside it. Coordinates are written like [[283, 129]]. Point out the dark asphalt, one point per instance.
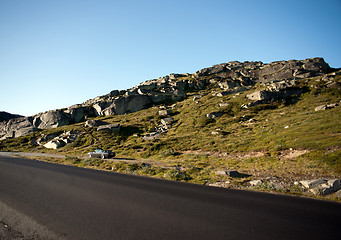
[[86, 204]]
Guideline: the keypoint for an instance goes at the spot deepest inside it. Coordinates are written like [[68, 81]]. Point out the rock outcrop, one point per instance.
[[16, 127], [322, 186], [51, 119], [275, 91], [61, 140], [231, 77]]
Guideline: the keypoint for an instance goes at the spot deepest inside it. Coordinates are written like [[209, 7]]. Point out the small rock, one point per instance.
[[151, 136], [256, 182], [111, 127], [322, 186], [332, 105], [214, 133], [312, 183], [327, 106], [230, 173], [320, 108], [196, 97], [222, 94], [167, 121], [94, 123], [223, 104], [165, 112], [286, 127], [213, 115], [220, 172], [219, 184]]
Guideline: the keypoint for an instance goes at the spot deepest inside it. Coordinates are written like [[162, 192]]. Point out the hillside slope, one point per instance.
[[280, 127]]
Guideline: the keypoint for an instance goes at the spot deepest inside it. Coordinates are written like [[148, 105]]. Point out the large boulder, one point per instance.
[[54, 144], [275, 91], [259, 95], [229, 84], [77, 114], [99, 107], [128, 104], [16, 127], [322, 186], [52, 119]]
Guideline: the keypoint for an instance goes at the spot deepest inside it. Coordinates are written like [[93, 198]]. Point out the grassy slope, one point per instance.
[[254, 140]]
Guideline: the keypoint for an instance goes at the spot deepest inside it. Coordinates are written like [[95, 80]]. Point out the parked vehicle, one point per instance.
[[99, 153]]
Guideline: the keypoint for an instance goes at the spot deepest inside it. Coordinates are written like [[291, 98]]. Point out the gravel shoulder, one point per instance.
[[25, 154], [15, 225]]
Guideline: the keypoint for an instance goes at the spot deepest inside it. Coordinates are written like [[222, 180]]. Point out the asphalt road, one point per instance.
[[73, 203]]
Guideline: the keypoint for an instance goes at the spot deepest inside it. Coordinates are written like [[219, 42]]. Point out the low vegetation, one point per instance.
[[286, 140]]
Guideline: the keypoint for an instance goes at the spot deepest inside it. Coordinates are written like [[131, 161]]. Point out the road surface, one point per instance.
[[52, 201]]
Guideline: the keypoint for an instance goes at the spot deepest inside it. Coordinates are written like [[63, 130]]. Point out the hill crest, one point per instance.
[[229, 77]]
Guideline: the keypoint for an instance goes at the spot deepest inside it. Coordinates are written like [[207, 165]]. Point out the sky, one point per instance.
[[54, 54]]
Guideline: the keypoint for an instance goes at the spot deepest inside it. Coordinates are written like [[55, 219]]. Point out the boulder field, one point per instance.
[[231, 77]]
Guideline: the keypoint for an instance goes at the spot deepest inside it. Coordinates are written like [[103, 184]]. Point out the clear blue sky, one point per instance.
[[54, 54]]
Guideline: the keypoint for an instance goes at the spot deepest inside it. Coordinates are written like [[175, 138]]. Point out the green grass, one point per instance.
[[270, 129]]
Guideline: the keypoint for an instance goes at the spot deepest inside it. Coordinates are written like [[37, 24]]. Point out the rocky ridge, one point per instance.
[[5, 116], [278, 77]]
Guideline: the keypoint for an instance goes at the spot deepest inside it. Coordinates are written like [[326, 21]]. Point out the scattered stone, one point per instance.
[[165, 112], [312, 183], [325, 107], [221, 172], [196, 97], [214, 133], [320, 108], [256, 182], [232, 77], [213, 115], [94, 123], [54, 144], [322, 186], [229, 84], [151, 136], [223, 104], [222, 93], [58, 141], [167, 121], [258, 96], [110, 127], [230, 173], [332, 105], [219, 184]]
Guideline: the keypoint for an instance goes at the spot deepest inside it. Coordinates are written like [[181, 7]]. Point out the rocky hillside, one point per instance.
[[251, 125], [232, 77], [5, 116]]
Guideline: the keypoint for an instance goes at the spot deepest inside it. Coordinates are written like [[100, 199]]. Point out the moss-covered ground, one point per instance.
[[284, 140]]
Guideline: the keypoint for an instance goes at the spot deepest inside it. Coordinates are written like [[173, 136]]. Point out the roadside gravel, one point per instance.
[[25, 154]]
